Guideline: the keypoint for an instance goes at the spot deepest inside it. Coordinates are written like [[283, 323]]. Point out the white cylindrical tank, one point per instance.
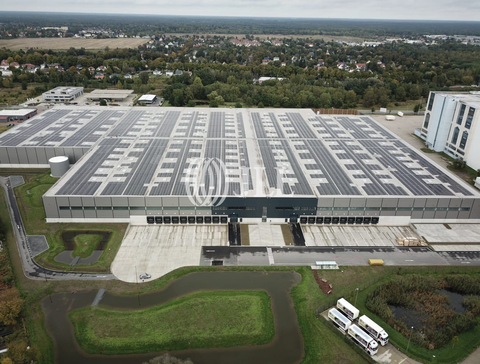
[[59, 165]]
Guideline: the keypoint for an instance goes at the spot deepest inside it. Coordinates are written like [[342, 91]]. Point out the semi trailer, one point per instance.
[[348, 309], [373, 330], [339, 320], [363, 339]]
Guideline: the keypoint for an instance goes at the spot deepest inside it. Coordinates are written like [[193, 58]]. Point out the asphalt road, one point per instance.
[[354, 256], [30, 268]]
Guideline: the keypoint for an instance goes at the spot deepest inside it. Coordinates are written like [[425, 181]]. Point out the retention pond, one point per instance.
[[286, 347]]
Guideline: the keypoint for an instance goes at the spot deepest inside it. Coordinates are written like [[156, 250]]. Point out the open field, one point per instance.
[[199, 320], [66, 43], [29, 198]]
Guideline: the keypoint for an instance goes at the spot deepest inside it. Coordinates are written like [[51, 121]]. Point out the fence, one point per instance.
[[336, 111]]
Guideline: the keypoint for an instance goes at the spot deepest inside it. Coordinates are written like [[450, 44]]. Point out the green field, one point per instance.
[[29, 198], [199, 320], [86, 244]]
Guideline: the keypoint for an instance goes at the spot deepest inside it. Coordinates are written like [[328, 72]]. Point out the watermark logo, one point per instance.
[[206, 181]]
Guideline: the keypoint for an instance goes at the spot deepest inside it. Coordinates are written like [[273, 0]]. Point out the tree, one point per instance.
[[144, 77], [10, 306], [260, 105], [24, 85], [239, 105], [103, 102], [119, 85]]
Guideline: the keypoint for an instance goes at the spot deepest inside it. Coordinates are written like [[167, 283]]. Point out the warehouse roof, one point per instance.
[[267, 152], [147, 98], [16, 112], [109, 94]]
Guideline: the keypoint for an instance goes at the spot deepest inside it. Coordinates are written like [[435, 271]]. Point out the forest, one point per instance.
[[214, 71], [152, 24]]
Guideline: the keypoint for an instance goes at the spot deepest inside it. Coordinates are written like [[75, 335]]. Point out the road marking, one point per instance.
[[409, 260], [270, 256], [465, 262]]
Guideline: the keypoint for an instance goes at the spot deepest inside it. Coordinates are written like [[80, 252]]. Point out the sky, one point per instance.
[[353, 9]]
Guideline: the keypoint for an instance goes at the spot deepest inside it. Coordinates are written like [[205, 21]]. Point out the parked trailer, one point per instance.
[[373, 330], [350, 310], [363, 339], [339, 320]]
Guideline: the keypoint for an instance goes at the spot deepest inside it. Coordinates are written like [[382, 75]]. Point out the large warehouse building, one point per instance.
[[185, 165]]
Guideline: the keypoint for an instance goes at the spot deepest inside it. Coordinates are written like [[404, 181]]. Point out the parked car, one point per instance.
[[145, 276]]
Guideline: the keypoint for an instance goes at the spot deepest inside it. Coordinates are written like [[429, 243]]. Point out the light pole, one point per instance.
[[356, 296], [410, 338]]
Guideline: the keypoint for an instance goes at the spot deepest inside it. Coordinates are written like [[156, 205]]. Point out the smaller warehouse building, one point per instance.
[[19, 115], [109, 95], [147, 99], [62, 94]]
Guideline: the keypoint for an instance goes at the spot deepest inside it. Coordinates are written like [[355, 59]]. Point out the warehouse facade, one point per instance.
[[184, 165], [451, 125]]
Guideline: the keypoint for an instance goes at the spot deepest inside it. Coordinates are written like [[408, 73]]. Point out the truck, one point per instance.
[[339, 320], [374, 330], [348, 309], [363, 339]]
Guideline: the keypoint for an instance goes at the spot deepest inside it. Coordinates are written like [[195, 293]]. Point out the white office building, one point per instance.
[[62, 94], [451, 125]]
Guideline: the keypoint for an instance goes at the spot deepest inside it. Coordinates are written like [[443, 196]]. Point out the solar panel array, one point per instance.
[[62, 127], [175, 152]]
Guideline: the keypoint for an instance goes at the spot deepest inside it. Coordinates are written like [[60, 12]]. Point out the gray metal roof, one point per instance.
[[265, 152]]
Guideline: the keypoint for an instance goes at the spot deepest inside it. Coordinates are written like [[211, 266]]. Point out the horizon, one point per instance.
[[438, 12]]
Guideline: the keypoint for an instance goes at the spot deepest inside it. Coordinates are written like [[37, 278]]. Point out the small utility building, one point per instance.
[[147, 99]]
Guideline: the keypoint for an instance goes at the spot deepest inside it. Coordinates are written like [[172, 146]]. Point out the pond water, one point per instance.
[[455, 299], [412, 317], [286, 348]]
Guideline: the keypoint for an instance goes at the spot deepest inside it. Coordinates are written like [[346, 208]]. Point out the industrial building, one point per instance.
[[16, 115], [109, 95], [451, 125], [186, 165], [62, 94], [147, 99]]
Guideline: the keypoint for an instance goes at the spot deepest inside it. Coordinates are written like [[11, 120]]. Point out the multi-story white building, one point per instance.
[[62, 94], [451, 125]]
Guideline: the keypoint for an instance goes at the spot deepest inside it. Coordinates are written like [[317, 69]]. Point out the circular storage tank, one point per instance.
[[59, 165]]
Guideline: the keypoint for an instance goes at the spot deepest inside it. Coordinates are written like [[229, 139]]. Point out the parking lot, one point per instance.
[[451, 237], [159, 249], [355, 235]]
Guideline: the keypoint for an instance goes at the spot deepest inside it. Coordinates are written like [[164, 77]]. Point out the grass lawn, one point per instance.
[[29, 198], [199, 320], [86, 244], [448, 354]]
